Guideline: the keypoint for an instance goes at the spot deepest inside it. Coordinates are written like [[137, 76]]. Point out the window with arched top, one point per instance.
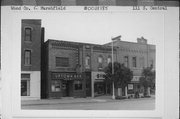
[[108, 59], [28, 34], [126, 61], [100, 61], [134, 63], [141, 62], [87, 62]]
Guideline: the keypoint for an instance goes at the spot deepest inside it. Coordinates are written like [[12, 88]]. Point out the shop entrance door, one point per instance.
[[99, 88], [67, 88]]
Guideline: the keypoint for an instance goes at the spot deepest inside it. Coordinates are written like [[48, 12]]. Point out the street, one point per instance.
[[96, 104]]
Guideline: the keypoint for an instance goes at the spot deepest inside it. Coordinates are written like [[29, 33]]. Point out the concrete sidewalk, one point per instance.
[[71, 100], [62, 101]]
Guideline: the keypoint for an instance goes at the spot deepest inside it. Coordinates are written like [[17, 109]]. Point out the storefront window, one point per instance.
[[56, 86], [99, 88], [77, 85], [25, 88]]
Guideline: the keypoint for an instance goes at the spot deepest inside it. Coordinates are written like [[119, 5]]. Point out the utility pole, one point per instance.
[[113, 95]]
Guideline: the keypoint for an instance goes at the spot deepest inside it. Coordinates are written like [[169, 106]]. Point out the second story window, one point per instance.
[[27, 57], [100, 61], [28, 34], [141, 62], [109, 60], [62, 62], [87, 62], [126, 61], [152, 63], [134, 61]]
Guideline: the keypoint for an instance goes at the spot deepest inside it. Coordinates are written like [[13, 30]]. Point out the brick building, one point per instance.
[[63, 74], [55, 69], [135, 56], [76, 69], [30, 59]]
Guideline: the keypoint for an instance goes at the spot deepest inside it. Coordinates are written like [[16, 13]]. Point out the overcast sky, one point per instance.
[[98, 28]]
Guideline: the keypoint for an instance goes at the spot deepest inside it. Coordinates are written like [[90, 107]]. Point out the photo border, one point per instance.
[[13, 20]]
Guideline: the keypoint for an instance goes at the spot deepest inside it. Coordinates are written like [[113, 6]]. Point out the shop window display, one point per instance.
[[25, 88], [56, 86], [77, 85]]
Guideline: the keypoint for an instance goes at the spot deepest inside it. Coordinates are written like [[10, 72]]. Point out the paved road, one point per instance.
[[100, 104]]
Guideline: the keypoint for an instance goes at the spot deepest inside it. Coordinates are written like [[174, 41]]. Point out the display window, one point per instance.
[[25, 87], [56, 86], [78, 85]]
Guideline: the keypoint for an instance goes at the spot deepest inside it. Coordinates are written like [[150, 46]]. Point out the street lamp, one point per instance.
[[116, 38], [113, 96]]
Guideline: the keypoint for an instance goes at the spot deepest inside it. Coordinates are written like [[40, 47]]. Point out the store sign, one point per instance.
[[130, 86], [135, 78], [66, 76], [98, 75]]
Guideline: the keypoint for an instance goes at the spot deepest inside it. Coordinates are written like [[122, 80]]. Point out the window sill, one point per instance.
[[26, 65], [78, 90], [26, 41]]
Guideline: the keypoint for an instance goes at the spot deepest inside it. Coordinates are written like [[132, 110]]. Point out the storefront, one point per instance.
[[30, 85], [67, 85], [134, 88], [99, 86]]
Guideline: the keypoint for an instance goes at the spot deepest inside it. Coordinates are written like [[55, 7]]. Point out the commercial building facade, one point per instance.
[[30, 59], [135, 56], [55, 68], [76, 69], [63, 74]]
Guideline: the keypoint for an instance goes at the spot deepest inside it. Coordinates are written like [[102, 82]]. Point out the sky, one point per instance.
[[99, 28]]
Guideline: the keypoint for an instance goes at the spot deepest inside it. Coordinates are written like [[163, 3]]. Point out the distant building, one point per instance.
[[135, 56], [30, 59]]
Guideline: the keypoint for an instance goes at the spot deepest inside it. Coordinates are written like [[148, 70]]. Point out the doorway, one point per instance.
[[67, 88]]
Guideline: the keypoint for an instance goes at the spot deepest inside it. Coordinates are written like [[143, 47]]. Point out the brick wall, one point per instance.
[[137, 50], [34, 46], [62, 51]]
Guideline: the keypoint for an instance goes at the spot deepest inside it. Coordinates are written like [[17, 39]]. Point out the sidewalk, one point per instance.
[[71, 100], [61, 101]]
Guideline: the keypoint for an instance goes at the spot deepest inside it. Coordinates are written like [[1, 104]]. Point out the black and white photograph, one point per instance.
[[95, 62], [89, 61]]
